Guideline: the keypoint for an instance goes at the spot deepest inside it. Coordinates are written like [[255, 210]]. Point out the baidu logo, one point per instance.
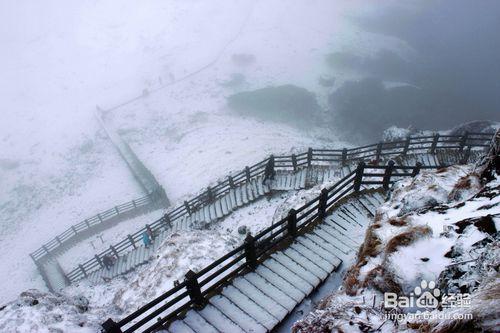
[[426, 295]]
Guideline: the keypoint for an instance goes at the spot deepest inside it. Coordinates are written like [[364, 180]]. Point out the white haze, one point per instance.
[[59, 59]]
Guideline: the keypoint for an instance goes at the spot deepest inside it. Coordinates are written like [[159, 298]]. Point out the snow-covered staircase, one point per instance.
[[208, 211], [258, 301], [54, 275]]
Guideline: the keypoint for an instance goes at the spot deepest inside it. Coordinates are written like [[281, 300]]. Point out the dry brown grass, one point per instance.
[[351, 282], [441, 170], [378, 217], [371, 246], [464, 183], [406, 238], [382, 280], [398, 221]]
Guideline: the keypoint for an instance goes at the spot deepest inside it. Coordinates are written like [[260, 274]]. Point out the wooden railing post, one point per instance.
[[435, 141], [378, 153], [131, 240], [465, 157], [407, 145], [344, 157], [74, 229], [112, 248], [247, 173], [230, 180], [309, 157], [188, 209], [294, 162], [416, 169], [99, 261], [292, 223], [194, 290], [250, 252], [210, 195], [167, 222], [387, 175], [109, 326], [323, 198], [463, 141], [82, 270], [360, 169]]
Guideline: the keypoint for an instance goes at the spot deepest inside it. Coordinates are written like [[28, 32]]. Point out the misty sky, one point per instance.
[[61, 59], [360, 67], [453, 74]]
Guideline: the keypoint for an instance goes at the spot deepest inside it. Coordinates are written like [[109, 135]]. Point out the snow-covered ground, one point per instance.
[[178, 253], [63, 58], [87, 248], [442, 227]]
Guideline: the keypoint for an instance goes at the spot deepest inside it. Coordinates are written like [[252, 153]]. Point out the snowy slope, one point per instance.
[[441, 226], [64, 58], [177, 254]]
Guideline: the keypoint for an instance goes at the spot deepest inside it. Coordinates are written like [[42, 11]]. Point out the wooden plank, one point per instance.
[[218, 209], [224, 205]]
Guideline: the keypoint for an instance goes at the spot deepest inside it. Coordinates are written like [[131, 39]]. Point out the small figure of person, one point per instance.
[[151, 235], [146, 239], [108, 261]]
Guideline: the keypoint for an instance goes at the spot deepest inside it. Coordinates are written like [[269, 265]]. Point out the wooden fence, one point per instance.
[[197, 287], [96, 223], [373, 154]]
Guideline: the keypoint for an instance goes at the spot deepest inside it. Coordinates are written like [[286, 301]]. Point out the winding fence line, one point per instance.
[[207, 206], [439, 150], [155, 198], [198, 288]]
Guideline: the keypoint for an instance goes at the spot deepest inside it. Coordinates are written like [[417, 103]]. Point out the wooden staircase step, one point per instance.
[[179, 326], [256, 295], [253, 309], [288, 275], [296, 268], [237, 316], [343, 250], [306, 263], [319, 261], [271, 291], [292, 290], [219, 320], [198, 324], [322, 251]]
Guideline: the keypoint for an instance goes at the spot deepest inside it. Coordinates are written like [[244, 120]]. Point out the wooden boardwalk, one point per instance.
[[239, 197], [258, 301], [276, 173]]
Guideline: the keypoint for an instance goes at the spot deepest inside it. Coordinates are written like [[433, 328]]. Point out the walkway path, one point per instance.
[[258, 301]]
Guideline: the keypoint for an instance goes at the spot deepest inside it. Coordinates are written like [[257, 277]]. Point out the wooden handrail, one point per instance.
[[266, 240], [300, 160]]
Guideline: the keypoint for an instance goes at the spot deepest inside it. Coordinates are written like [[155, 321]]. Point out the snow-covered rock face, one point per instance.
[[441, 226], [37, 311], [179, 253]]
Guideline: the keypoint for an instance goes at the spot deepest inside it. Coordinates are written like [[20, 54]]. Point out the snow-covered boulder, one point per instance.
[[439, 233], [38, 311], [477, 126]]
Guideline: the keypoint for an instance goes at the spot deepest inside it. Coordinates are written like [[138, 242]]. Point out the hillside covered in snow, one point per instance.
[[199, 90], [428, 263]]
